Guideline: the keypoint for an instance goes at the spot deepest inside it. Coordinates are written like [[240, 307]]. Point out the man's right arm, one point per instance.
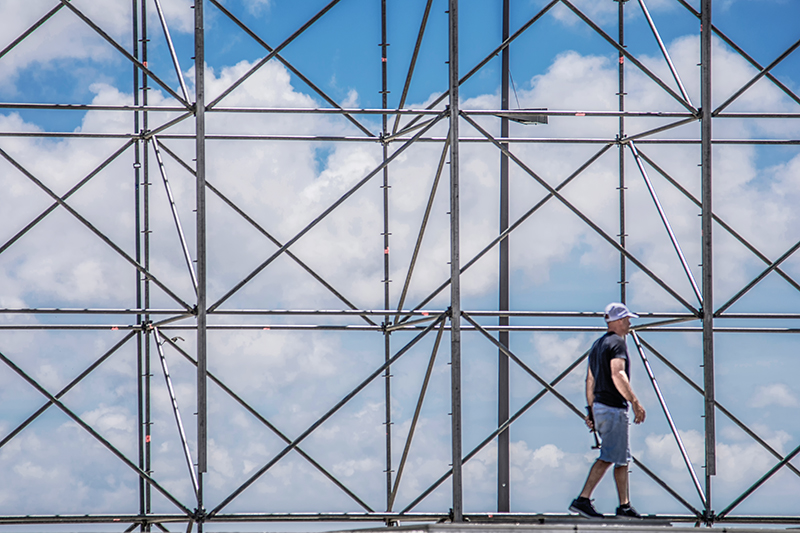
[[589, 395]]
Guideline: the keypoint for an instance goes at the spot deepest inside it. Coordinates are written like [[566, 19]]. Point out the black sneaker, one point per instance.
[[583, 506], [627, 511]]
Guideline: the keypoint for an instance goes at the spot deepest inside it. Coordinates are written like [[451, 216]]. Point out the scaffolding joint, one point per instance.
[[199, 515]]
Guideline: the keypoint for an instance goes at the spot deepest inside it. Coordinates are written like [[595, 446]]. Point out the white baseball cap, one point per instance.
[[616, 311]]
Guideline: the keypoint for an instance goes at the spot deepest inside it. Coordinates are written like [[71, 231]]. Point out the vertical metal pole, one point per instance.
[[386, 303], [200, 154], [707, 249], [623, 275], [623, 271], [503, 472], [455, 267], [138, 243], [146, 238]]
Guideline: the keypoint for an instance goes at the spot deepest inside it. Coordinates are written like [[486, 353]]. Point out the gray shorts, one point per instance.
[[612, 424]]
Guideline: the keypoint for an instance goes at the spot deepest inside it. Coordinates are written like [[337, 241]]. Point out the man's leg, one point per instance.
[[621, 477], [595, 475], [582, 504]]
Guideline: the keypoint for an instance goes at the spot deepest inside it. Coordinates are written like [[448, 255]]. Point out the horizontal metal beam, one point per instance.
[[336, 138], [381, 111], [366, 328], [476, 518], [417, 312]]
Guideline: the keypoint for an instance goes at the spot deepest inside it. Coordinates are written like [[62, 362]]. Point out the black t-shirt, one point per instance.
[[609, 346]]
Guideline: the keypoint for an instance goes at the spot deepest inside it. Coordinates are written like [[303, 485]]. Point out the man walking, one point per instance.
[[608, 392]]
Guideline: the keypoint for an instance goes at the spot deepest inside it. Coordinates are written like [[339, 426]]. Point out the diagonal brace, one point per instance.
[[267, 423], [667, 414], [125, 53], [665, 220], [94, 230], [69, 193], [621, 49], [329, 210], [583, 217], [665, 52], [423, 226], [272, 54], [327, 415], [186, 255], [742, 53], [719, 221], [758, 278], [66, 389], [721, 408], [289, 66], [504, 234], [55, 401], [415, 418], [174, 56], [175, 411], [757, 77], [760, 482], [269, 236]]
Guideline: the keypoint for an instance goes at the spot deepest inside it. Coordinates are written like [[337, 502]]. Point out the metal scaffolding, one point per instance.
[[152, 329]]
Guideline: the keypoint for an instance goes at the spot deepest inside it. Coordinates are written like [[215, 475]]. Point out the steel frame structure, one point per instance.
[[149, 325]]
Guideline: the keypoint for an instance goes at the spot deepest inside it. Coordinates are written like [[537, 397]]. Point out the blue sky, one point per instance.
[[558, 263]]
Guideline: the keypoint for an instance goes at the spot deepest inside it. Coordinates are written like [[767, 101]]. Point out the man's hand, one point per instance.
[[638, 412], [589, 417], [589, 423]]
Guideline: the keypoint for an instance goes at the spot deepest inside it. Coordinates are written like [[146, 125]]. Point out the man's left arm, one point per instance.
[[623, 385]]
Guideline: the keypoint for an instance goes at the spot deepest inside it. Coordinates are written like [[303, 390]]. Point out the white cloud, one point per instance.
[[738, 463], [258, 7], [604, 12], [778, 394], [70, 38], [557, 352]]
